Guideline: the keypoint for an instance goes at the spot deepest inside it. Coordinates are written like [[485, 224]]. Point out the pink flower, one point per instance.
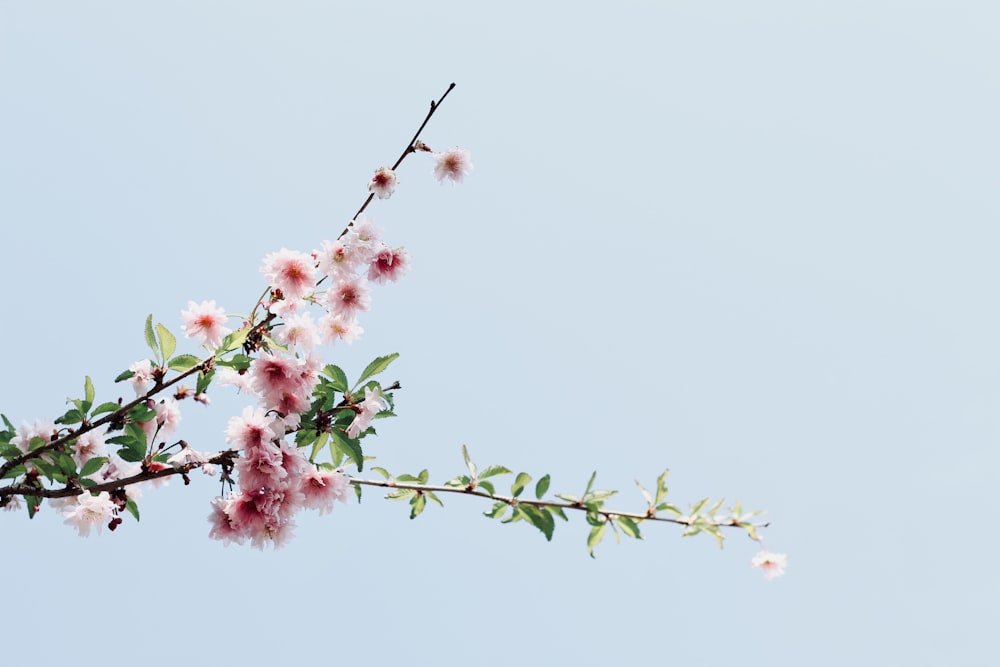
[[337, 260], [90, 511], [348, 297], [188, 455], [388, 265], [253, 429], [773, 565], [291, 272], [363, 239], [232, 377], [222, 527], [298, 331], [322, 487], [168, 416], [383, 184], [142, 375], [205, 321], [334, 327], [453, 165]]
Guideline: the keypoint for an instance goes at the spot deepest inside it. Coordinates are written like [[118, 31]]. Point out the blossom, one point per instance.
[[773, 565], [204, 321], [222, 526], [323, 487], [337, 259], [291, 272], [230, 376], [388, 265], [40, 429], [371, 406], [453, 165], [333, 327], [348, 297], [300, 331], [188, 455], [363, 239], [90, 511], [383, 184], [142, 375], [168, 416], [87, 446], [253, 429]]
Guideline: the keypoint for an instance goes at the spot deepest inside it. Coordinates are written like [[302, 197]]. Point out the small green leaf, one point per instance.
[[645, 493], [377, 366], [540, 519], [661, 487], [382, 471], [487, 486], [499, 509], [667, 507], [628, 526], [542, 486], [697, 508], [590, 484], [338, 379], [105, 407], [595, 537], [417, 505], [204, 379], [132, 508], [71, 417], [493, 471], [88, 392], [349, 447], [183, 363], [233, 341], [523, 479], [92, 465], [433, 496], [468, 462], [150, 336]]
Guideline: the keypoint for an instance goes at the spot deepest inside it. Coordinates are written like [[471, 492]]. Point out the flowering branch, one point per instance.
[[306, 411]]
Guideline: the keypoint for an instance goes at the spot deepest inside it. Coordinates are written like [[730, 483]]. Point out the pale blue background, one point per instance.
[[752, 241]]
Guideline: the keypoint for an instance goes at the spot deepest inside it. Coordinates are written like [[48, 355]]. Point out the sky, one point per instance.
[[753, 243]]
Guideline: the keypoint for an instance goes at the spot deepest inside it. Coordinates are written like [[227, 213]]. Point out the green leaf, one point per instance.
[[628, 526], [433, 496], [645, 493], [590, 484], [351, 448], [417, 505], [124, 375], [132, 508], [487, 486], [150, 336], [183, 363], [540, 519], [168, 343], [377, 366], [338, 379], [661, 487], [542, 486], [233, 341], [493, 471], [92, 465], [88, 392], [468, 462], [105, 407], [71, 417], [523, 479], [595, 537], [204, 379], [499, 509], [667, 507], [382, 471], [697, 508]]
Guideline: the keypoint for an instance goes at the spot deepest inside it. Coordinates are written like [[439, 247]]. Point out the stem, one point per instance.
[[513, 502], [406, 151]]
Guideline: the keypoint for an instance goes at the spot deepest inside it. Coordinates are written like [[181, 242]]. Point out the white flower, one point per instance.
[[452, 165], [773, 565], [383, 184], [90, 511]]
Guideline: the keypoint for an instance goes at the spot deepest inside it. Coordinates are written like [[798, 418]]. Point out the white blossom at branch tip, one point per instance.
[[452, 165], [90, 511], [772, 565]]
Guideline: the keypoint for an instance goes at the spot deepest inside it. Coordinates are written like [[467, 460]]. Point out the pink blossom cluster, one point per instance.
[[275, 480]]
